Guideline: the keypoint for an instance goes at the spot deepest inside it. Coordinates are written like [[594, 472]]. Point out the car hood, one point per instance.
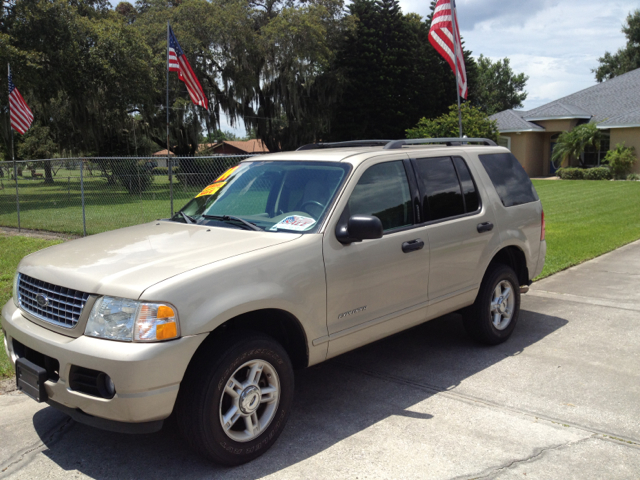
[[125, 262]]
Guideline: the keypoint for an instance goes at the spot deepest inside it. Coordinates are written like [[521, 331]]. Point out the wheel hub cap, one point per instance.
[[501, 306], [249, 399]]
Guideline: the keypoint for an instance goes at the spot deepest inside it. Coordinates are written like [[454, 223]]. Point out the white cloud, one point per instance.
[[555, 42]]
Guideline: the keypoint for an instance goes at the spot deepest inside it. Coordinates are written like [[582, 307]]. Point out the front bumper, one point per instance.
[[146, 376]]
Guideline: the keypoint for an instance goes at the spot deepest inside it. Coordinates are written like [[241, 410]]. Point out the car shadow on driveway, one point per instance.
[[333, 401]]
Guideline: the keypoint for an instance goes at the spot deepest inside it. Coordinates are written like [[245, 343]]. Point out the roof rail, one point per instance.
[[351, 143], [449, 141]]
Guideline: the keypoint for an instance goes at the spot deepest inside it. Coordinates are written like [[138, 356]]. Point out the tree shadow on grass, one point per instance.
[[333, 401]]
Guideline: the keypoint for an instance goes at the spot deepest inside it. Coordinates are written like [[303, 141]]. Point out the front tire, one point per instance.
[[493, 316], [236, 397]]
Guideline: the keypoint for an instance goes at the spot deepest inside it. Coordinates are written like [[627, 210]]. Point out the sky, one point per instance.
[[555, 42]]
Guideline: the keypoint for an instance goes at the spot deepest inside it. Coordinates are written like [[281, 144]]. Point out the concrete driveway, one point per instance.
[[559, 400]]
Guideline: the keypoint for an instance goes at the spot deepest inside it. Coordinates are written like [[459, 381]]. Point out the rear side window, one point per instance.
[[440, 187], [511, 181], [447, 187], [469, 192]]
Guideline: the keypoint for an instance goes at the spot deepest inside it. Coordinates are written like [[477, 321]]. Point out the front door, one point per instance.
[[370, 282]]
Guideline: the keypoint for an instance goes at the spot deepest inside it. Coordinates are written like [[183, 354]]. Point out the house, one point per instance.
[[226, 147], [614, 106], [232, 147]]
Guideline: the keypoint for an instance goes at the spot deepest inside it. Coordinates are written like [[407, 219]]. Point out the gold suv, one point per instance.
[[285, 261]]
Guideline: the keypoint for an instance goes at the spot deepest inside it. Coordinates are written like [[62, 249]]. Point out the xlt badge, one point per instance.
[[352, 312]]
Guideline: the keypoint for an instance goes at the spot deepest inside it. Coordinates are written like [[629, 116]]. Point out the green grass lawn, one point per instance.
[[586, 218], [13, 249], [58, 207]]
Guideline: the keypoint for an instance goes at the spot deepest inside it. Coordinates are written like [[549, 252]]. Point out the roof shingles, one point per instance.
[[615, 102]]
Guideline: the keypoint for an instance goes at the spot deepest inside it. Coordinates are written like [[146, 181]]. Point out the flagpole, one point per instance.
[[455, 53], [13, 157], [168, 152]]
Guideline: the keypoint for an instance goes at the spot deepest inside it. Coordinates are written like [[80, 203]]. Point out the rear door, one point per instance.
[[461, 228]]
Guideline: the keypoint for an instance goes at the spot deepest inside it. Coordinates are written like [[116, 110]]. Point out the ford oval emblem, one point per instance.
[[42, 300]]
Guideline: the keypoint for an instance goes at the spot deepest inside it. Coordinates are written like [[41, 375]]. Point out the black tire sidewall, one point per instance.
[[480, 320], [216, 444]]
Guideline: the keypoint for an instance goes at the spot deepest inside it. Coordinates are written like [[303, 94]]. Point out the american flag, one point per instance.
[[441, 37], [21, 116], [178, 63]]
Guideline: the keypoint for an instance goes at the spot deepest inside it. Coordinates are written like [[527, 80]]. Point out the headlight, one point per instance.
[[129, 320], [15, 289]]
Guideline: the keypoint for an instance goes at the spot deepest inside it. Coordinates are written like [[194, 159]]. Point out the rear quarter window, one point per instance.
[[509, 178]]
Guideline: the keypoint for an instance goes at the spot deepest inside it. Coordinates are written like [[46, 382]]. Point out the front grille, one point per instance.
[[58, 305]]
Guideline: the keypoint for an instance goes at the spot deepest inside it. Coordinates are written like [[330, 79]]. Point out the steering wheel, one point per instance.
[[311, 202]]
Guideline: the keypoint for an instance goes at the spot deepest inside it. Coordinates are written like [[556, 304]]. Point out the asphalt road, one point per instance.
[[559, 400]]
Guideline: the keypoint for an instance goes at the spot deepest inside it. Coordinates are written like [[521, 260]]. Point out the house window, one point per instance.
[[505, 142], [592, 157]]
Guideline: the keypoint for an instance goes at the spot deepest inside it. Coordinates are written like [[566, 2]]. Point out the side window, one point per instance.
[[471, 199], [383, 191], [440, 188], [511, 181]]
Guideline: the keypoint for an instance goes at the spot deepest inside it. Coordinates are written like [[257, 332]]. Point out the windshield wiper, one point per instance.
[[226, 218], [187, 218]]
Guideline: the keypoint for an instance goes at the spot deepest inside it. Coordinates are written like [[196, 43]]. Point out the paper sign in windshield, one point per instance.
[[211, 189], [226, 174], [294, 222]]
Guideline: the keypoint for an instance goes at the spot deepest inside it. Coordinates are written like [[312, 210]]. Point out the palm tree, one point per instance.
[[572, 144]]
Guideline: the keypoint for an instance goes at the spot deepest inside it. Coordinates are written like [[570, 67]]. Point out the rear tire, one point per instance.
[[235, 399], [493, 316]]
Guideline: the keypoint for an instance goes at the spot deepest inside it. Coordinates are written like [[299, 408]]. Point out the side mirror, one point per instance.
[[358, 228]]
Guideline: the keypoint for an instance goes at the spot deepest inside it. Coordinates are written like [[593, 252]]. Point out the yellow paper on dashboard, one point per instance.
[[211, 189], [226, 174]]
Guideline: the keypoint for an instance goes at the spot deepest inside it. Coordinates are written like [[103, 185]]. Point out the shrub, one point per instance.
[[597, 173], [475, 124], [161, 170], [135, 177], [570, 173], [633, 176], [620, 160]]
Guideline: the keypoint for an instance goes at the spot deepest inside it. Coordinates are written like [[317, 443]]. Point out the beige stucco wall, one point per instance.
[[557, 125], [533, 149], [528, 147], [631, 138]]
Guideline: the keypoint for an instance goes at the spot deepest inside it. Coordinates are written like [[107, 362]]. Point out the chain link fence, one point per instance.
[[91, 195]]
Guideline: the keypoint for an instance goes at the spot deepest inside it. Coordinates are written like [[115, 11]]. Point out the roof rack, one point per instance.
[[395, 144], [449, 142], [351, 143]]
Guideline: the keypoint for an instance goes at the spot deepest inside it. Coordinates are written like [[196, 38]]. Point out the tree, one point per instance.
[[498, 88], [625, 59], [220, 135], [38, 144], [475, 124], [265, 63], [572, 144], [81, 68], [392, 74]]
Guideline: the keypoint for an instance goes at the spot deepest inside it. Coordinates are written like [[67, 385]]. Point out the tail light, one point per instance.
[[542, 232]]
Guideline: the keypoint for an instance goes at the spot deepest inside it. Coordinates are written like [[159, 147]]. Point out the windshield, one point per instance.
[[274, 196]]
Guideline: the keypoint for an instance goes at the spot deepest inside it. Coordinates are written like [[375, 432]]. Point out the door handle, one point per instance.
[[485, 227], [413, 245]]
